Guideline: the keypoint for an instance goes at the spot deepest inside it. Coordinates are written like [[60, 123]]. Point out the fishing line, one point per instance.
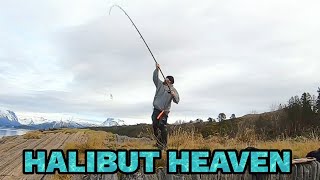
[[142, 39]]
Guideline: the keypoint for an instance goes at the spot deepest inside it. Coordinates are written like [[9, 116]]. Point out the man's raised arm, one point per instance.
[[156, 79], [175, 95]]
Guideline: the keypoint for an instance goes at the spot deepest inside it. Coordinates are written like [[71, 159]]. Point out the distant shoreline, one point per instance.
[[12, 131]]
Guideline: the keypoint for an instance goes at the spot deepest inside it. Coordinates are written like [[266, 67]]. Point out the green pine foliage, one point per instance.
[[318, 102]]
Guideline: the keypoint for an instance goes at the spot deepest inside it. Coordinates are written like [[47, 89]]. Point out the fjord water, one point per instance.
[[11, 131]]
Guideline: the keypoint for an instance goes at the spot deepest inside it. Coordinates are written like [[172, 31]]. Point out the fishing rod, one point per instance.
[[143, 41]]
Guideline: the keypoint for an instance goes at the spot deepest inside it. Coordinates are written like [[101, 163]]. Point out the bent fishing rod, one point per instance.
[[142, 39]]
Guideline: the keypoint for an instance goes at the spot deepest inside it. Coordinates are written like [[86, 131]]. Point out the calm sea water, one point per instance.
[[11, 131]]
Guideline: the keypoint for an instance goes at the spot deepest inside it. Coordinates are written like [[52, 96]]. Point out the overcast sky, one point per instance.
[[64, 58]]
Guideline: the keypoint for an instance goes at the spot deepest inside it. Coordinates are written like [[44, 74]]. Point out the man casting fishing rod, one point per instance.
[[165, 94]]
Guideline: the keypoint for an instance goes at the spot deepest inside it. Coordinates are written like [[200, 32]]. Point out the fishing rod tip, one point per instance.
[[114, 5], [110, 9]]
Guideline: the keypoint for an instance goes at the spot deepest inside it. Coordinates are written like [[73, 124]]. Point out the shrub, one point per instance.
[[32, 135]]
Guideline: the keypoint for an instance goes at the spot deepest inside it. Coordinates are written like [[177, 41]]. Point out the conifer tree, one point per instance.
[[307, 113], [221, 117], [318, 102]]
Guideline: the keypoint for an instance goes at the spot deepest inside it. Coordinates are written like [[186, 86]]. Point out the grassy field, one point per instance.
[[181, 139]]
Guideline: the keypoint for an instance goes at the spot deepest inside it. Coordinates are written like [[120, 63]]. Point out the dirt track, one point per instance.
[[11, 151]]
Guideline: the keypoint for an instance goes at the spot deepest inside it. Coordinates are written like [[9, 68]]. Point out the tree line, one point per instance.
[[300, 116]]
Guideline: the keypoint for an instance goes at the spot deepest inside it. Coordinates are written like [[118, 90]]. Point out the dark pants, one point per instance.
[[160, 125]]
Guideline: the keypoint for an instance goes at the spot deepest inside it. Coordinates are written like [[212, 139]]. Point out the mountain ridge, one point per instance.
[[9, 119]]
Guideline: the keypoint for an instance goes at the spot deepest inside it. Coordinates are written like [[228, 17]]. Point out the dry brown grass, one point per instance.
[[61, 177], [32, 135], [134, 144], [94, 140], [71, 131], [182, 139], [189, 140], [299, 148], [65, 131]]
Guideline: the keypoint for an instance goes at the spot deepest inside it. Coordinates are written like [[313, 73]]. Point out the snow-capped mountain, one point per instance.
[[113, 122], [33, 120], [39, 122], [58, 124], [8, 118]]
